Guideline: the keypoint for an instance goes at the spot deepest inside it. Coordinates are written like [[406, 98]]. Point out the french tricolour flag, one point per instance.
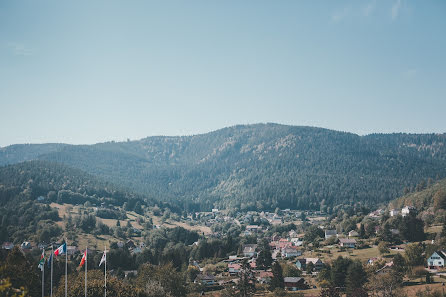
[[61, 250]]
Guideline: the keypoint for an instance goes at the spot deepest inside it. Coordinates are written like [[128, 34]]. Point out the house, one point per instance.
[[249, 250], [253, 228], [347, 242], [436, 260], [289, 252], [7, 246], [317, 263], [130, 244], [205, 279], [353, 233], [234, 268], [215, 210], [294, 283], [264, 277], [394, 212], [296, 242], [71, 250], [407, 210], [40, 199], [136, 250], [302, 263], [26, 245], [330, 233]]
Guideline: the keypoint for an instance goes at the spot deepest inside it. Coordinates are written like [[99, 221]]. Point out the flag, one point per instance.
[[103, 259], [49, 260], [42, 260], [83, 259], [61, 250]]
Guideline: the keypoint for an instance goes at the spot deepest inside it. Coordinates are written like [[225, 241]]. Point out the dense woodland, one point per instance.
[[22, 217], [260, 166]]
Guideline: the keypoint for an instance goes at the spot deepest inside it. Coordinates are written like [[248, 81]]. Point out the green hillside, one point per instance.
[[265, 166], [27, 189]]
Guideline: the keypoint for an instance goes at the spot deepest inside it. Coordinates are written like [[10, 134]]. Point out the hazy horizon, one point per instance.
[[186, 135]]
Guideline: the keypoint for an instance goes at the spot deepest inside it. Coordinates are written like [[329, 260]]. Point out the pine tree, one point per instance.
[[246, 284], [277, 280], [356, 277]]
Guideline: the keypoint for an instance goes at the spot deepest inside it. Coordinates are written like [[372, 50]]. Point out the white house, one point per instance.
[[436, 260], [407, 210]]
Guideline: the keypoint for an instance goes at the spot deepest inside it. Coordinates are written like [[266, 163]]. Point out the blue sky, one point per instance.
[[93, 71]]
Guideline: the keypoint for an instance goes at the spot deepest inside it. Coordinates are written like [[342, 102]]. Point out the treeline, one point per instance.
[[260, 166]]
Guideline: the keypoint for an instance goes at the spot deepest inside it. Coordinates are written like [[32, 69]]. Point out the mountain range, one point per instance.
[[261, 166]]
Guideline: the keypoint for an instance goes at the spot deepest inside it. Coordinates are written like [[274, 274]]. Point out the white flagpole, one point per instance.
[[86, 264], [66, 267], [52, 259], [105, 251], [43, 274]]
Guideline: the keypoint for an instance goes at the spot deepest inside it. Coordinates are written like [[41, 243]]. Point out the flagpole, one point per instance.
[[51, 289], [105, 251], [86, 264], [43, 274], [66, 266]]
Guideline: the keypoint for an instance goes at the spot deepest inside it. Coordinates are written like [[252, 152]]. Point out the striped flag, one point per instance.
[[83, 259], [42, 261], [61, 250]]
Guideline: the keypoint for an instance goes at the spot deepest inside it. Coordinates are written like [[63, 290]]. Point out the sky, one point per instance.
[[93, 71]]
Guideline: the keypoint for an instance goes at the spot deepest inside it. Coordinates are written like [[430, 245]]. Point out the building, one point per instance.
[[394, 212], [253, 228], [7, 246], [249, 250], [407, 210], [234, 268], [26, 245], [294, 283], [71, 250], [291, 252], [302, 263], [347, 242], [353, 233], [330, 233], [205, 279], [436, 260]]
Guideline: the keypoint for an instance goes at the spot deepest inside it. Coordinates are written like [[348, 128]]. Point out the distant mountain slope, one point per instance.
[[24, 152], [265, 166], [423, 199], [57, 183]]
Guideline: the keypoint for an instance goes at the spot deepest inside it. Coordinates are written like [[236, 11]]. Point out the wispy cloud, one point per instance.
[[396, 9], [339, 15], [369, 8], [19, 49]]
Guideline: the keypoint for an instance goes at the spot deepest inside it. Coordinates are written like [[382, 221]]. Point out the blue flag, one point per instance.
[[49, 260]]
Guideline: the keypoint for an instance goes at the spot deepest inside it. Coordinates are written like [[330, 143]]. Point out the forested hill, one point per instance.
[[58, 183], [265, 166], [27, 189]]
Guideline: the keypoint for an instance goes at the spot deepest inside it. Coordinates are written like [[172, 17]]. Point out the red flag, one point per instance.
[[83, 259]]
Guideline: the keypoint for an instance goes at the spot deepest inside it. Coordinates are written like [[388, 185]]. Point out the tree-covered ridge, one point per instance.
[[24, 152], [265, 166], [27, 188]]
